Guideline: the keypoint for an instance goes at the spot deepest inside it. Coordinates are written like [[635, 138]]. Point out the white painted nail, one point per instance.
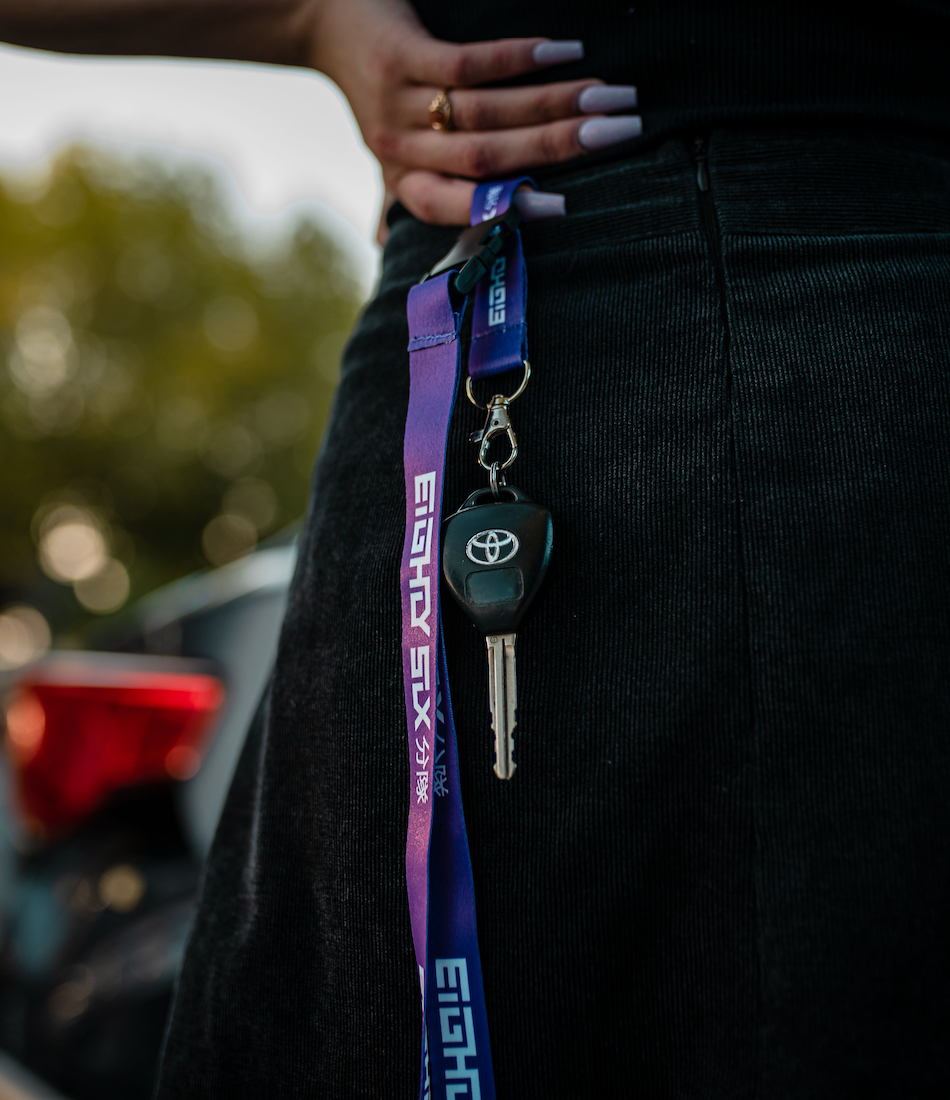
[[598, 133], [604, 98], [557, 53], [536, 205]]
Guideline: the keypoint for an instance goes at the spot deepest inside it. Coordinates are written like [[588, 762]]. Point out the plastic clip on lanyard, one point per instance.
[[455, 1042]]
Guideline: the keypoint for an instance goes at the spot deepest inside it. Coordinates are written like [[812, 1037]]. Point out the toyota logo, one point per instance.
[[492, 547]]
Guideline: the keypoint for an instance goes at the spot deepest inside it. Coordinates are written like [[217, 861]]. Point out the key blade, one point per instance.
[[503, 695]]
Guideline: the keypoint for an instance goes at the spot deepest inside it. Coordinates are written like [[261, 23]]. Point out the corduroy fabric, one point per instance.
[[722, 870]]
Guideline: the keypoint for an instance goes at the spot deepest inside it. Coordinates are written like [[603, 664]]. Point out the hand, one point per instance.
[[390, 68]]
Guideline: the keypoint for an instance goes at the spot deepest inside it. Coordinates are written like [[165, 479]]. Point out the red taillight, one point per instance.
[[77, 731]]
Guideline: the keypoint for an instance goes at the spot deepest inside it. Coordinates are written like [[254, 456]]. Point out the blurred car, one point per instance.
[[118, 760]]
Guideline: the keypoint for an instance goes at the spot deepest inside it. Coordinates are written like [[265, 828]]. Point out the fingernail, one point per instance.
[[536, 205], [556, 53], [601, 99], [598, 133]]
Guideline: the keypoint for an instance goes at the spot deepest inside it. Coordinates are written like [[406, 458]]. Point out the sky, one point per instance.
[[276, 138]]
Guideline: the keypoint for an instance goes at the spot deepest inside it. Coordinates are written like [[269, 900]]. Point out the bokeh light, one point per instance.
[[25, 726], [72, 546], [121, 888], [105, 590], [252, 498], [182, 762], [227, 537], [231, 323], [70, 999], [230, 448], [24, 636], [45, 355]]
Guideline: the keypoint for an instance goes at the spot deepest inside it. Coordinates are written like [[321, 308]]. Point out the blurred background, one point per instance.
[[184, 249]]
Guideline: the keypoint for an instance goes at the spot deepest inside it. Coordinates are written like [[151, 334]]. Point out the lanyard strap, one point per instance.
[[438, 868], [456, 1054], [499, 332]]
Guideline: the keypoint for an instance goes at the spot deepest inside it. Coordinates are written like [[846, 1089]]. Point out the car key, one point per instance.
[[494, 558]]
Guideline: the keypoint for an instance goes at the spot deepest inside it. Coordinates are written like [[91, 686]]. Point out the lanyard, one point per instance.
[[499, 332], [456, 1054]]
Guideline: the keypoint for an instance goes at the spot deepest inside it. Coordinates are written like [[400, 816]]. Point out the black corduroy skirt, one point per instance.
[[722, 869]]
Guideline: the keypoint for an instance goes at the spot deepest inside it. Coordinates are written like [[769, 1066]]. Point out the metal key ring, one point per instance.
[[518, 392], [497, 479]]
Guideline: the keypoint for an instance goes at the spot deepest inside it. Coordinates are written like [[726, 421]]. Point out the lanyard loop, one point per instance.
[[499, 330]]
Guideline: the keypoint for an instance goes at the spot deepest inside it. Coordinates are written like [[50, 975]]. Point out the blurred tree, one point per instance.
[[164, 383]]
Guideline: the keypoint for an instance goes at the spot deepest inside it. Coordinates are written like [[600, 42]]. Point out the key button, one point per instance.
[[494, 586]]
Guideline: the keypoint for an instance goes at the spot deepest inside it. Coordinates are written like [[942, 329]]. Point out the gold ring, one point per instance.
[[440, 112]]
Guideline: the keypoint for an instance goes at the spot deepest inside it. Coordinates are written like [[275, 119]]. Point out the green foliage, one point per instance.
[[156, 371]]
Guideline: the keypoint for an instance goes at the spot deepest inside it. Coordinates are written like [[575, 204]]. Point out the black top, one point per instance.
[[699, 64]]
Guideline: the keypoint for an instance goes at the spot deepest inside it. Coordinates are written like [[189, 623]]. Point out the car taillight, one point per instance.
[[77, 731]]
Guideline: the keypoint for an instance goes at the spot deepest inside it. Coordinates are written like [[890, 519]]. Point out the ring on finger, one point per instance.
[[440, 112]]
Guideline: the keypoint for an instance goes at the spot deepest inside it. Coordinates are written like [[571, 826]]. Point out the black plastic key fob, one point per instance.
[[495, 555]]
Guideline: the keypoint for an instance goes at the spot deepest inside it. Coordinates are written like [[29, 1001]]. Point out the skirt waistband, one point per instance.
[[792, 183]]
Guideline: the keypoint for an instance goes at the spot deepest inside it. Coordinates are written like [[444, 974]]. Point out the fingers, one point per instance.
[[498, 153], [435, 199], [498, 131], [440, 200], [499, 108], [447, 65]]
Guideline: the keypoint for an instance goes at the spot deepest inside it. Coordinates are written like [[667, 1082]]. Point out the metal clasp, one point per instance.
[[497, 423]]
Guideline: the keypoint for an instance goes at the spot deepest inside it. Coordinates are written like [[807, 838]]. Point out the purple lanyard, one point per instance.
[[499, 332], [456, 1054]]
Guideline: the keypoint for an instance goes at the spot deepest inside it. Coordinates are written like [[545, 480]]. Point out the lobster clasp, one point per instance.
[[497, 423]]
